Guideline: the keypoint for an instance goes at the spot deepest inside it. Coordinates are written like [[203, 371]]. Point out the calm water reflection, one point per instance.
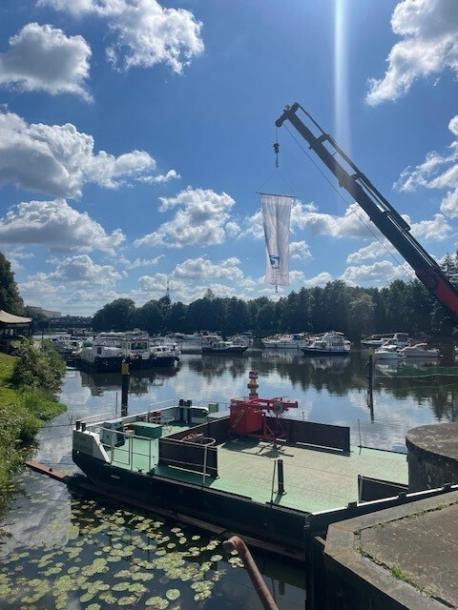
[[44, 519], [329, 390]]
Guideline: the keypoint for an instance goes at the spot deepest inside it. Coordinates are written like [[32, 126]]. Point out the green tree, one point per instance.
[[361, 309], [10, 299], [149, 317], [176, 321], [265, 319], [116, 315]]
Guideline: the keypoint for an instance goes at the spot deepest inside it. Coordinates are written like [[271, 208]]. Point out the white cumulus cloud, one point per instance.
[[82, 269], [56, 225], [144, 32], [58, 160], [437, 171], [77, 285], [43, 58], [299, 250], [380, 273], [201, 219], [202, 268], [137, 263], [321, 279], [429, 46]]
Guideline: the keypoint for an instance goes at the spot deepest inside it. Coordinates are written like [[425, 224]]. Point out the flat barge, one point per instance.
[[253, 472]]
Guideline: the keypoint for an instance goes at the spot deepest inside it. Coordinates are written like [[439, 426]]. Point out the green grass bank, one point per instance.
[[28, 383]]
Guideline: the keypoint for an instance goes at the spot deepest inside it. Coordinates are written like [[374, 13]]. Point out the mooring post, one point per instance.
[[124, 388], [370, 381], [281, 478]]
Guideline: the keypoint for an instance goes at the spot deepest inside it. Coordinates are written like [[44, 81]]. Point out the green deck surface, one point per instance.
[[314, 480]]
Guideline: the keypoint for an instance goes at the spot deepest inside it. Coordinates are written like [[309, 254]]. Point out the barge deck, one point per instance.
[[315, 480]]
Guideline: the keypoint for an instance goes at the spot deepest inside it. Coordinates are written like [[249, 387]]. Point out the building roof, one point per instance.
[[9, 318]]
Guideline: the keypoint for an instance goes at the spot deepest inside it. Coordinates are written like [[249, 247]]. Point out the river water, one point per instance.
[[61, 551]]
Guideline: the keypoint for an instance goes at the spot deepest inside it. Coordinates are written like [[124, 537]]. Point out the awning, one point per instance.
[[9, 318]]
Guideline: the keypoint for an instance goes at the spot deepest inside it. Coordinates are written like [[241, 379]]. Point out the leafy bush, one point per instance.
[[38, 368], [35, 407]]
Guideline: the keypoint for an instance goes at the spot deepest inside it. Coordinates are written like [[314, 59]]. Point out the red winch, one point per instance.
[[259, 416]]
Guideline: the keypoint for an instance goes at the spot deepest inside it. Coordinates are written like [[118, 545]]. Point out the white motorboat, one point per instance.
[[387, 352], [164, 355], [223, 347], [101, 358], [399, 339], [332, 343], [294, 341], [420, 350], [374, 341]]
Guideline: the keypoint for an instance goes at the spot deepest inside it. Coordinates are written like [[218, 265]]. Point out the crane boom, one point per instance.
[[379, 210]]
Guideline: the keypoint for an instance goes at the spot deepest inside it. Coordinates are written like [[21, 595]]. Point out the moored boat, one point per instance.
[[101, 358], [294, 341], [387, 352], [330, 344], [224, 347], [164, 355], [420, 350]]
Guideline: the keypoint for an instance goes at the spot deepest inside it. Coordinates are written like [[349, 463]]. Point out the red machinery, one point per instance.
[[259, 416]]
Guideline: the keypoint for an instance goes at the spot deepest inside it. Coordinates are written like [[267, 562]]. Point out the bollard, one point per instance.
[[281, 478], [124, 388]]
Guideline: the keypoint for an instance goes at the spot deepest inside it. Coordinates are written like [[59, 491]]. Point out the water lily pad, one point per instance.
[[128, 600], [121, 586], [172, 594], [142, 576], [137, 588], [122, 574], [156, 602], [93, 607], [216, 558]]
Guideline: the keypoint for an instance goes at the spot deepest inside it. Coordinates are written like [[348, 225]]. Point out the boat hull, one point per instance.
[[235, 349], [311, 351], [164, 361], [102, 365]]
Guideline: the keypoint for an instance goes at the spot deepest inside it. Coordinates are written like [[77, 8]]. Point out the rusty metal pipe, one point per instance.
[[237, 544]]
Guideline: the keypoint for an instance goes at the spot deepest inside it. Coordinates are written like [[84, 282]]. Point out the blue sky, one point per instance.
[[135, 135]]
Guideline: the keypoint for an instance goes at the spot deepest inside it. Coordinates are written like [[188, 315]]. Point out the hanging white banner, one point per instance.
[[276, 212]]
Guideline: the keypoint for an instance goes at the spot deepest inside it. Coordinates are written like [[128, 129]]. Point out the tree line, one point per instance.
[[356, 311], [402, 306]]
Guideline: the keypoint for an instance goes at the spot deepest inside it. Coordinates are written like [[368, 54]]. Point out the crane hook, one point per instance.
[[277, 152]]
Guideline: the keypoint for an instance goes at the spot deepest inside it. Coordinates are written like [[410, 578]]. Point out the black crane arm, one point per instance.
[[379, 210]]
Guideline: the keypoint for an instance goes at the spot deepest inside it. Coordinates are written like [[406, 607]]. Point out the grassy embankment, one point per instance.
[[26, 403]]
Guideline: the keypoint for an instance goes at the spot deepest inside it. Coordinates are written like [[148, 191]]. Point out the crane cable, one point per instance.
[[354, 211]]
